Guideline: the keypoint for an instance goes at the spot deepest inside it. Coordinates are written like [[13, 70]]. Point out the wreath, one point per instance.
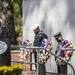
[[25, 53], [43, 55], [65, 55]]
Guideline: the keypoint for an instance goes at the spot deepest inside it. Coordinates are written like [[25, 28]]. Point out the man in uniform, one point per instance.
[[39, 37], [62, 69]]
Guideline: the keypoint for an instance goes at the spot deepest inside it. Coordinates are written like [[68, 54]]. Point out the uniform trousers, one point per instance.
[[42, 69], [62, 69]]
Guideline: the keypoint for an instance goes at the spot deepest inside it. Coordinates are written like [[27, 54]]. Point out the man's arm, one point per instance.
[[44, 36]]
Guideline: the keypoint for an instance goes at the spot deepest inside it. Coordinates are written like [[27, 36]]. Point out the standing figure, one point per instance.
[[66, 55], [39, 37]]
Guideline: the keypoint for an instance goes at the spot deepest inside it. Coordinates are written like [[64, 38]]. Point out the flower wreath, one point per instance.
[[24, 53], [66, 55], [43, 55]]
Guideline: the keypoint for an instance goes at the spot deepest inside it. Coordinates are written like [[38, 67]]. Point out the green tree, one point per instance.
[[17, 9], [11, 13], [7, 16]]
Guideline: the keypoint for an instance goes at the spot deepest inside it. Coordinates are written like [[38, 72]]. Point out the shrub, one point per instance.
[[11, 70]]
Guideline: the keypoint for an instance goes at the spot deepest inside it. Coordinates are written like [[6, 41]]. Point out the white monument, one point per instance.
[[52, 16]]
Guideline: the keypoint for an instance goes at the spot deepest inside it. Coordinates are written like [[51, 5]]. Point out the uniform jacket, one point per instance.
[[39, 38]]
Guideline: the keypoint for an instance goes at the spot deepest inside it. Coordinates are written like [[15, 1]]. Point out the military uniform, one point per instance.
[[37, 42], [62, 69], [39, 37]]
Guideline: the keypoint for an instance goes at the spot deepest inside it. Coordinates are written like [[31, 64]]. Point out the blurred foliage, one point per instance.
[[13, 49], [15, 69], [16, 12], [14, 8]]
